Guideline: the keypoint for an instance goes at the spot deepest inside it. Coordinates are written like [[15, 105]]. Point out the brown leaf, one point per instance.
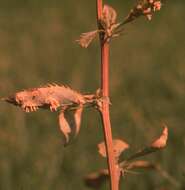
[[69, 122], [155, 146], [141, 164], [86, 38], [109, 16], [64, 126], [50, 96], [162, 140], [77, 118], [118, 145], [142, 8], [95, 180]]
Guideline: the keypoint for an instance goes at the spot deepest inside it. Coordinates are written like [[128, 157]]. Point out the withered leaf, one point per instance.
[[155, 146], [142, 8], [50, 96], [109, 16], [118, 145], [95, 180], [162, 140], [64, 126], [70, 121], [143, 164], [77, 119], [140, 164], [86, 38]]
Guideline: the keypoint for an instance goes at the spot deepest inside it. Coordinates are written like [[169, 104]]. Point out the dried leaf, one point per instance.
[[155, 146], [142, 8], [118, 145], [86, 38], [95, 180], [140, 164], [69, 122], [77, 118], [64, 126], [109, 16], [162, 140], [51, 96]]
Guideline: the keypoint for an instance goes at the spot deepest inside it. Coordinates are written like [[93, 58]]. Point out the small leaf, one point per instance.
[[86, 38], [64, 126], [140, 164], [118, 145], [95, 180], [77, 118], [161, 141], [109, 16], [69, 122], [155, 146]]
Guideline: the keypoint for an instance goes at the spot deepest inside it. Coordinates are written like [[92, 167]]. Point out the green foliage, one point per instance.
[[37, 46]]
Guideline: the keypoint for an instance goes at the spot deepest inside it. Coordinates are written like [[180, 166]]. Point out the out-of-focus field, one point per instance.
[[37, 46]]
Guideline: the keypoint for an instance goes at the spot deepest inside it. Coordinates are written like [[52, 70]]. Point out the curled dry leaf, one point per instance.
[[95, 180], [109, 16], [155, 146], [69, 122], [64, 126], [51, 96], [118, 145], [162, 140], [86, 38]]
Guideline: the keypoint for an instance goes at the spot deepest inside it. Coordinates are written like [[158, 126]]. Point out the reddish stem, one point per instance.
[[105, 115]]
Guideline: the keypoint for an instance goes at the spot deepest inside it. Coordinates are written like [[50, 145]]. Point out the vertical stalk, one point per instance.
[[105, 115]]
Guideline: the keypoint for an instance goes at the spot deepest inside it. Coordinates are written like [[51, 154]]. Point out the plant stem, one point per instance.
[[105, 115]]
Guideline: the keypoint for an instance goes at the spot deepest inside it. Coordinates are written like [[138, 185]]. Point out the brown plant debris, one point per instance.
[[86, 38], [95, 180], [143, 8], [70, 120], [55, 97], [108, 21], [109, 16], [147, 165], [162, 140], [109, 27], [158, 144], [118, 145]]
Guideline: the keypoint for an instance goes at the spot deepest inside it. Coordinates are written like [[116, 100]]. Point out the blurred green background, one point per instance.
[[37, 46]]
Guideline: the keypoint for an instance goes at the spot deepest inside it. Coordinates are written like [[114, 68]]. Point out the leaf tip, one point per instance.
[[162, 140]]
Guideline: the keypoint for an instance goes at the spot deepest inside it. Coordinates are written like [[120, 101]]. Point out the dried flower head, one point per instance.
[[144, 7]]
